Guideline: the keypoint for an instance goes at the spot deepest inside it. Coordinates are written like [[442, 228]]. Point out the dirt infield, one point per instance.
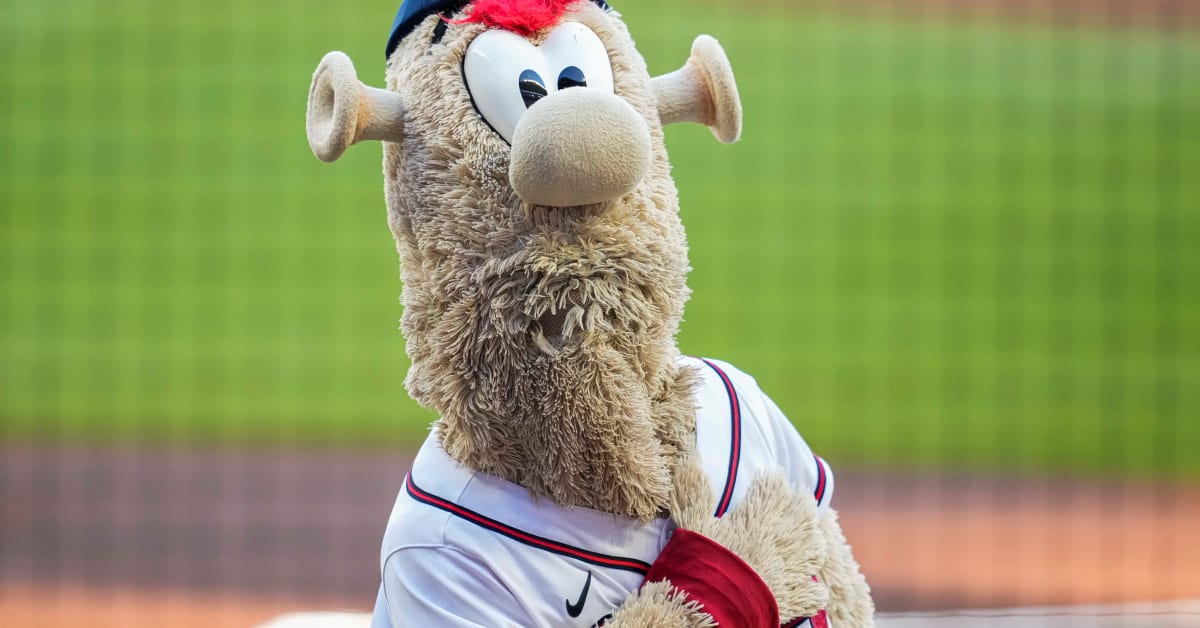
[[929, 542], [122, 537], [100, 606]]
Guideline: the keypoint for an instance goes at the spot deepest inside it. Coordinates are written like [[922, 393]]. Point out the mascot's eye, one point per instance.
[[506, 74], [578, 57], [571, 77], [533, 88]]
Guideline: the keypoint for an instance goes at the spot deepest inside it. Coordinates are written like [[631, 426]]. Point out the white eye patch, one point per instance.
[[506, 74]]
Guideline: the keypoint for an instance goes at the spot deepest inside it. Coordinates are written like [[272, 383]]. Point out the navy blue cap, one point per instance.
[[413, 11]]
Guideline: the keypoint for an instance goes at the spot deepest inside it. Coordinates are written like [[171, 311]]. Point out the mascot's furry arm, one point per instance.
[[850, 602], [802, 565]]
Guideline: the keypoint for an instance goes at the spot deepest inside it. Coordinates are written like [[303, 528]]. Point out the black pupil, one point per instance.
[[571, 77], [533, 88]]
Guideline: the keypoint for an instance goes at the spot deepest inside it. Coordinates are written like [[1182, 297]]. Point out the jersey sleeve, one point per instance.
[[809, 472], [442, 586]]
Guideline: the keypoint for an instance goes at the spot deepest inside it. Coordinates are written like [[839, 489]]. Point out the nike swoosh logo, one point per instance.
[[575, 609]]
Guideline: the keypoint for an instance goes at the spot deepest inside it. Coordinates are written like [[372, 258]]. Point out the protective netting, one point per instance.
[[957, 245]]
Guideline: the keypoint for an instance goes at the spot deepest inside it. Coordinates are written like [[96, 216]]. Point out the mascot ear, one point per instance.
[[703, 91], [342, 111]]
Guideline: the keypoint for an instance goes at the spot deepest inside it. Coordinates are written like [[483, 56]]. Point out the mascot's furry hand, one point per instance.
[[749, 568]]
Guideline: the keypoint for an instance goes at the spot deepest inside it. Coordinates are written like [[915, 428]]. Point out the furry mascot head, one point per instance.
[[543, 259], [544, 266]]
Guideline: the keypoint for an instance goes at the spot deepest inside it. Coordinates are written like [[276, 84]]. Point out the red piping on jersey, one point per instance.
[[819, 492], [735, 440], [532, 540]]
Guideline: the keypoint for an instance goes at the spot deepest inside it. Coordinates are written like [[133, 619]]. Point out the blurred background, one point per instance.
[[959, 244]]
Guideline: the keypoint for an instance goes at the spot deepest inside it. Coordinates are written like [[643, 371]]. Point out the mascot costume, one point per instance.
[[582, 472]]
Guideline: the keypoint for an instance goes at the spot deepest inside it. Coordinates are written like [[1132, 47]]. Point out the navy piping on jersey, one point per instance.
[[796, 623], [735, 440], [819, 492], [520, 536]]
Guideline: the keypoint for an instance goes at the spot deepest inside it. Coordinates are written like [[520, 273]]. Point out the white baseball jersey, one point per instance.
[[463, 548]]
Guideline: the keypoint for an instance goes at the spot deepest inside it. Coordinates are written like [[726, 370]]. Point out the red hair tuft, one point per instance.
[[523, 17]]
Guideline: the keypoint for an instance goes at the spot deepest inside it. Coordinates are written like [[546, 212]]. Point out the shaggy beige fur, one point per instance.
[[774, 529], [850, 597], [659, 605], [544, 337]]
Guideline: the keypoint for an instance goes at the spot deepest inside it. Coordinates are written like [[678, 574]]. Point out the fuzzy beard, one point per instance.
[[557, 368], [544, 337]]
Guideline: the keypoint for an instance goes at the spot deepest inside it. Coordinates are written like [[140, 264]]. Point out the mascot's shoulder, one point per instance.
[[728, 396], [741, 433]]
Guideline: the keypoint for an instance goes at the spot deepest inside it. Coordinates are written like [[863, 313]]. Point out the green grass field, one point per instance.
[[943, 244]]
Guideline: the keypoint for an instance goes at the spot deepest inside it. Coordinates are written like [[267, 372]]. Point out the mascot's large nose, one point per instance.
[[577, 147]]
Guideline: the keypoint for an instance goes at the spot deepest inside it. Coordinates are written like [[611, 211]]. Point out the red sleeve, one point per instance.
[[717, 579]]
